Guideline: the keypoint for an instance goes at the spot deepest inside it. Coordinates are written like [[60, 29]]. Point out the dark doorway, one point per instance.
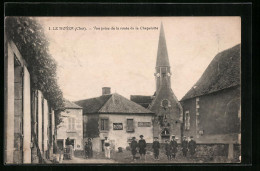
[[60, 144], [102, 145]]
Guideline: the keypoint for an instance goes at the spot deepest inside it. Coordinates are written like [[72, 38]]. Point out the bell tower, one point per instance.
[[162, 70], [165, 105]]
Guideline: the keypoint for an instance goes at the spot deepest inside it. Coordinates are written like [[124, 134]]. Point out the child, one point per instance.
[[156, 147], [168, 149]]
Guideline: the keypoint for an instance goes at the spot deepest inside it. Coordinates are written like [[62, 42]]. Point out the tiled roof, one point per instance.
[[71, 105], [223, 72], [144, 101], [113, 103], [93, 105]]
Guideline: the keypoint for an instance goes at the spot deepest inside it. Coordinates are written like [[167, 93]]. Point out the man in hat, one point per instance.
[[107, 148], [192, 146], [133, 147], [142, 146], [184, 146], [168, 150], [156, 147], [174, 145]]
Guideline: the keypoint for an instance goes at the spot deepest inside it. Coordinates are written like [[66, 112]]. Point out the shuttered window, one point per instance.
[[104, 124], [187, 120], [71, 123], [130, 125]]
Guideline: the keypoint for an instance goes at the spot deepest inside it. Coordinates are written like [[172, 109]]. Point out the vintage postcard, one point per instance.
[[82, 90]]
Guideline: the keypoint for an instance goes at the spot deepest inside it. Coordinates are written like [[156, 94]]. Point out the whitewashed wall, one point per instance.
[[9, 105], [63, 131], [119, 137], [26, 117], [45, 132]]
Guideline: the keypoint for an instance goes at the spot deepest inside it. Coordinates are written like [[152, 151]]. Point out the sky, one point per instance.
[[124, 59]]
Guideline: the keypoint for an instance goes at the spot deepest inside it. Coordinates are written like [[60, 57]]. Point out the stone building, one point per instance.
[[115, 117], [71, 126], [212, 107], [29, 118], [165, 105]]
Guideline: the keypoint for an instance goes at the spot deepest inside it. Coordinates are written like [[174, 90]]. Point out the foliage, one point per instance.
[[28, 35], [92, 130]]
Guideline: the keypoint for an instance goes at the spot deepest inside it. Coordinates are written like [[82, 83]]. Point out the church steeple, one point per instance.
[[162, 54], [162, 69]]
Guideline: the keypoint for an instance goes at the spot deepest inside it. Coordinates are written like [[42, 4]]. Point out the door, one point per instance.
[[102, 145], [60, 144]]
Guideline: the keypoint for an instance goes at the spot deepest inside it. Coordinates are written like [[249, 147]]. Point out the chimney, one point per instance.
[[105, 90]]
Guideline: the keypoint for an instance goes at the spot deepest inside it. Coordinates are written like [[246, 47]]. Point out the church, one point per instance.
[[168, 111]]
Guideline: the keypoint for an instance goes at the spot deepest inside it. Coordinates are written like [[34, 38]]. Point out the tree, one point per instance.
[[29, 37]]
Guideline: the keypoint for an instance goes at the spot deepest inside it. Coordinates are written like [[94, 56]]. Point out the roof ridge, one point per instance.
[[93, 97], [105, 102], [124, 99], [134, 102]]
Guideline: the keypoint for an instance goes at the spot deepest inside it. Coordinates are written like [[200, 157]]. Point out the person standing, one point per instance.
[[68, 141], [174, 145], [142, 146], [156, 147], [107, 148], [168, 150], [192, 146], [90, 150], [86, 150], [184, 146], [133, 147]]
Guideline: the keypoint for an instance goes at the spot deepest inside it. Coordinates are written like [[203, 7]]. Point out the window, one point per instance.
[[130, 125], [104, 124], [71, 123], [187, 120]]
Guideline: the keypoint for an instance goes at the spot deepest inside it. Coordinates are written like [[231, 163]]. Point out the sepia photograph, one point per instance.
[[122, 90]]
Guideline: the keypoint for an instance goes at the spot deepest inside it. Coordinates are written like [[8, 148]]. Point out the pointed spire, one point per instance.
[[162, 54]]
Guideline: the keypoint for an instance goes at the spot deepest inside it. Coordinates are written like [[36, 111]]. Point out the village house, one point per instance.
[[115, 117], [212, 107], [29, 119], [71, 126], [164, 103]]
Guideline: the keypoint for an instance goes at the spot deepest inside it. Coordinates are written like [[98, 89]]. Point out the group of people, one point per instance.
[[89, 151], [170, 147], [141, 145]]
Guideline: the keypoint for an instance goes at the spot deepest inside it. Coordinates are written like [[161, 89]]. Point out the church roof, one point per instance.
[[144, 101], [71, 105], [162, 53], [223, 72], [113, 103]]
